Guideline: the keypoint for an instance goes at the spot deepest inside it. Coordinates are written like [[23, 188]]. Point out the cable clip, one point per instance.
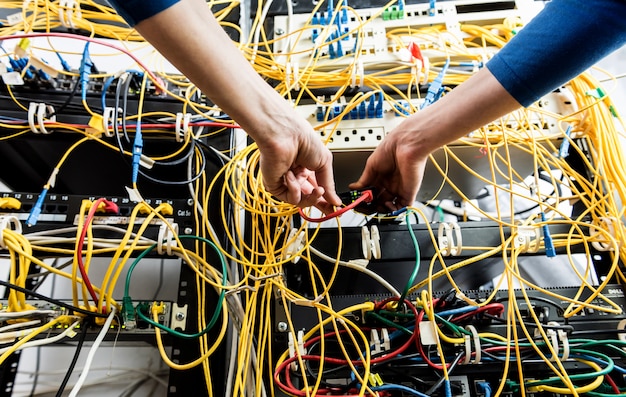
[[528, 239], [601, 242], [9, 222], [182, 126], [68, 10], [380, 343], [446, 240], [167, 237], [109, 121], [358, 71], [622, 326], [301, 350], [370, 242], [556, 336], [37, 113], [468, 345], [295, 245]]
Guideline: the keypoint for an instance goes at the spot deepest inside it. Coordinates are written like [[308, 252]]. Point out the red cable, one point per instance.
[[494, 309], [79, 250], [611, 382], [284, 365], [366, 196]]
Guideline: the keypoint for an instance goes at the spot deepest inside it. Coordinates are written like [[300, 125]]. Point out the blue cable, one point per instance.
[[547, 238], [105, 88], [460, 310], [484, 387], [435, 89], [137, 149], [85, 70], [564, 148], [401, 388], [33, 217], [64, 64]]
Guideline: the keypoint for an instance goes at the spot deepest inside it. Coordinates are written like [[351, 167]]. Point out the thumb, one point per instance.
[[364, 180]]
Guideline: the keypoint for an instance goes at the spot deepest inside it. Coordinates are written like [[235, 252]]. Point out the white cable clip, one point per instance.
[[556, 336], [385, 340], [295, 245], [468, 349], [375, 346], [182, 126], [167, 237], [37, 113], [9, 222], [357, 72], [528, 238], [292, 348], [601, 243], [109, 121], [370, 242], [53, 178], [446, 240], [622, 335], [68, 10]]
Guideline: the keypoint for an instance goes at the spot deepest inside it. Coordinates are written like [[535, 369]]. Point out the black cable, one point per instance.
[[567, 328], [68, 99], [70, 369], [438, 384], [161, 276], [126, 87], [51, 300], [45, 274]]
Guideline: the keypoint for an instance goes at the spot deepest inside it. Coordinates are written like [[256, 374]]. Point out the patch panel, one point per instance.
[[166, 318], [366, 29], [59, 211], [363, 125], [36, 82]]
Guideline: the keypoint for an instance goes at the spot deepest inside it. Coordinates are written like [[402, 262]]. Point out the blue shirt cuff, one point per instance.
[[135, 11]]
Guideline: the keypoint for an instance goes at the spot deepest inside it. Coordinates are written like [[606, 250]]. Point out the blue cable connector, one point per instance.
[[33, 217]]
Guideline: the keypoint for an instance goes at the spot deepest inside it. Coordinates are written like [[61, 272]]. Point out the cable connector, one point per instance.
[[86, 66], [64, 63], [435, 89], [547, 238], [565, 144], [129, 316], [33, 217], [483, 388], [432, 8], [137, 151]]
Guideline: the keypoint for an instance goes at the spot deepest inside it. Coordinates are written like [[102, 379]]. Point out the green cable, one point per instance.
[[416, 269], [389, 322], [220, 300], [609, 361]]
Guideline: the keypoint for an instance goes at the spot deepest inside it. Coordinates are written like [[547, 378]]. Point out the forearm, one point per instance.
[[204, 53]]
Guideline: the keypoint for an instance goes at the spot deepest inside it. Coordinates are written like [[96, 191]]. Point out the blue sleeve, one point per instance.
[[135, 11], [562, 41]]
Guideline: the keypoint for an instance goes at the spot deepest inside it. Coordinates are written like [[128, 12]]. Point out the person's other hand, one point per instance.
[[395, 169], [297, 169]]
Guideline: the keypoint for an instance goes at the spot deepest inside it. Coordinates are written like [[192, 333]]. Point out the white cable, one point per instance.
[[257, 31], [92, 353], [19, 325], [25, 313], [46, 341], [359, 268]]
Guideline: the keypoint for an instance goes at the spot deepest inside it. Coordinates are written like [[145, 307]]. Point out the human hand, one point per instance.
[[297, 169], [395, 169]]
